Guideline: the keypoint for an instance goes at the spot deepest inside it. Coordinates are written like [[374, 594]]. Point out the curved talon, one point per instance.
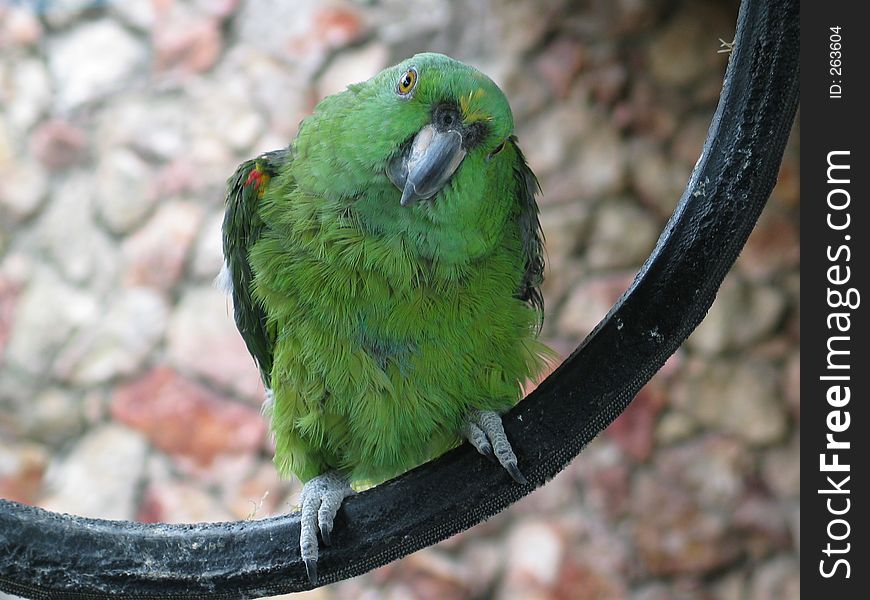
[[515, 472], [485, 431], [321, 498], [311, 569]]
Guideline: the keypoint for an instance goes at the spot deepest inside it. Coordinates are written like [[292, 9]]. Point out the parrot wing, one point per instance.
[[532, 236], [241, 229]]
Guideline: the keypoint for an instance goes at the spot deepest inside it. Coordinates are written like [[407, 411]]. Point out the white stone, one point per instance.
[[92, 60], [119, 343], [68, 233], [100, 476], [353, 66], [125, 190], [47, 313]]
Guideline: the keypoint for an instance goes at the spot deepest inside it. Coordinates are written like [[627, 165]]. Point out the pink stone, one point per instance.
[[182, 417], [187, 48], [155, 255], [560, 63], [633, 429], [57, 144]]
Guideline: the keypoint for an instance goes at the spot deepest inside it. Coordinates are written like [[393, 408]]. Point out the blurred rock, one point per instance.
[[658, 182], [781, 469], [119, 343], [203, 340], [566, 227], [58, 144], [48, 311], [787, 192], [535, 553], [180, 502], [100, 475], [772, 247], [228, 114], [92, 60], [10, 291], [25, 90], [523, 25], [778, 579], [763, 525], [685, 49], [352, 66], [54, 416], [791, 384], [19, 27], [600, 166], [590, 301], [208, 254], [633, 429], [184, 47], [60, 13], [622, 235], [733, 397], [689, 140], [23, 188], [674, 535], [155, 126], [673, 427], [605, 480], [259, 495], [180, 416], [89, 255], [125, 190], [140, 15], [711, 470], [304, 33], [578, 580], [741, 315], [21, 470], [560, 63], [547, 139], [156, 254], [282, 91]]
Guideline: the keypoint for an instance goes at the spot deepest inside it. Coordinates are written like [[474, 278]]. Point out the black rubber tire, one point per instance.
[[47, 555]]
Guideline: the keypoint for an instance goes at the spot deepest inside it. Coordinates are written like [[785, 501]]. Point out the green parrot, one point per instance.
[[385, 271]]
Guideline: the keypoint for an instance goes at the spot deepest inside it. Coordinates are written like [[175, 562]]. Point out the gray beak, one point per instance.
[[427, 164]]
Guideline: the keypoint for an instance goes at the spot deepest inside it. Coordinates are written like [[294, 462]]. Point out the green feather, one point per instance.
[[379, 327]]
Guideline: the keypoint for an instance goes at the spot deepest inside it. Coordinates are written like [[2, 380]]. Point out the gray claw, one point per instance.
[[321, 499], [311, 569], [485, 431], [326, 533], [515, 472]]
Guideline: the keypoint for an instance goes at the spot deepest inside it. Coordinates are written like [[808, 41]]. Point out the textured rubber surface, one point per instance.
[[47, 555]]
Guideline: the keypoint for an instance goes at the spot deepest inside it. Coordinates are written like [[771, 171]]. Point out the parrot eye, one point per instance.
[[407, 82]]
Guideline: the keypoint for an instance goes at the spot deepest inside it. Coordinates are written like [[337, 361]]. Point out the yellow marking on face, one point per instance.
[[470, 109]]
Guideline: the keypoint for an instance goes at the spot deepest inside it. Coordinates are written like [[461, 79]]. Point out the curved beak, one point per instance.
[[427, 164]]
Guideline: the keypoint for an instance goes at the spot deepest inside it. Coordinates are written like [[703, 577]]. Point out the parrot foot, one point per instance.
[[321, 498], [485, 431]]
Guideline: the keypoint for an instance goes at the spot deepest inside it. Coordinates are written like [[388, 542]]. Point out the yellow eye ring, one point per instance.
[[407, 82]]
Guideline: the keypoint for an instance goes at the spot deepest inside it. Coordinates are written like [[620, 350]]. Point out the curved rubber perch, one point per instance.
[[47, 555]]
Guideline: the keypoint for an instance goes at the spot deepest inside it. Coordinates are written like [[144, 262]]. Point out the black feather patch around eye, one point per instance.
[[474, 134]]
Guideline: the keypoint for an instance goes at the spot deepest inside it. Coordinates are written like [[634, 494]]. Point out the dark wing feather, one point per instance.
[[241, 229], [532, 236]]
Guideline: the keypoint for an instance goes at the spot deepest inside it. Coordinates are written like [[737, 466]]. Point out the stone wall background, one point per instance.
[[125, 391]]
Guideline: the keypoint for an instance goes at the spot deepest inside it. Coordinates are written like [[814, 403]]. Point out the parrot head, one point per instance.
[[417, 148], [447, 110], [415, 124]]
